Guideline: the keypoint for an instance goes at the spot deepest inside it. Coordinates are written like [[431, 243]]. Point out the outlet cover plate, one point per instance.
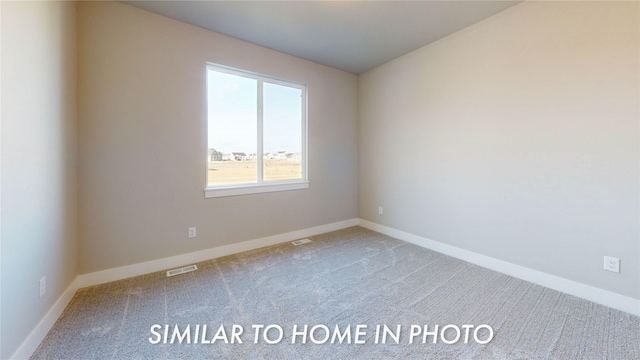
[[612, 264], [43, 286]]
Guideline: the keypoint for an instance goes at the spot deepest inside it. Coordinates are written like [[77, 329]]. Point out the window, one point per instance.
[[257, 133]]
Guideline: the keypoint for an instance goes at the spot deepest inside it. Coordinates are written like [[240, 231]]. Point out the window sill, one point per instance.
[[234, 190]]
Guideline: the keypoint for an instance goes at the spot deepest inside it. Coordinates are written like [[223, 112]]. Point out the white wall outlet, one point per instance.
[[380, 210], [192, 232], [612, 264], [43, 285]]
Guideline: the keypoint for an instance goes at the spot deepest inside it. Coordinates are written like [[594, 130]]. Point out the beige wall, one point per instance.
[[39, 184], [515, 138], [143, 142]]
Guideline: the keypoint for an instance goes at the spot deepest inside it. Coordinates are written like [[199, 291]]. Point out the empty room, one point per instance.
[[320, 179]]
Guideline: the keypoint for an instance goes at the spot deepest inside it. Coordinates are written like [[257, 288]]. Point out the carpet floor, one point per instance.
[[333, 284]]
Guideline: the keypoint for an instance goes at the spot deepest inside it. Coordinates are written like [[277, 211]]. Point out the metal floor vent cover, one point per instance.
[[182, 270], [300, 242]]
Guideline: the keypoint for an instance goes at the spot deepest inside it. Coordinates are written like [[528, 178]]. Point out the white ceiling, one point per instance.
[[354, 36]]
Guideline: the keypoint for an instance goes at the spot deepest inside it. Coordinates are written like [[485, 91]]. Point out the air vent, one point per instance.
[[181, 270], [300, 242]]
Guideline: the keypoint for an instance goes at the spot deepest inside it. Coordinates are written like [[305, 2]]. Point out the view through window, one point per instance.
[[256, 129]]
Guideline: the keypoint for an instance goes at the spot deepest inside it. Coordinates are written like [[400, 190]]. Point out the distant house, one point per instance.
[[215, 155], [239, 156], [227, 157], [293, 157]]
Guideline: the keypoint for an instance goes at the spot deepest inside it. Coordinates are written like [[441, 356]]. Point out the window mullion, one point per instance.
[[259, 152], [304, 134]]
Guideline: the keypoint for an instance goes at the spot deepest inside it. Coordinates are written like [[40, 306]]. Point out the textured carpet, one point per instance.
[[346, 278]]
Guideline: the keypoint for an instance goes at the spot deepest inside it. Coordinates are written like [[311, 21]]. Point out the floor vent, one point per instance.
[[300, 242], [181, 270]]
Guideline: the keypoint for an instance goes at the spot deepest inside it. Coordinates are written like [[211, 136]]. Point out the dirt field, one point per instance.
[[229, 172]]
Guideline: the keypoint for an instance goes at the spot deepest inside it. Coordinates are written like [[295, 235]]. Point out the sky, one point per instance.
[[232, 111]]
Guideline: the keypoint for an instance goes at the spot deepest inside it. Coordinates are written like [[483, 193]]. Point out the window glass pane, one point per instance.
[[282, 132], [232, 106]]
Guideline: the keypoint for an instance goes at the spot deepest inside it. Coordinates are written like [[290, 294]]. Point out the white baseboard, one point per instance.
[[30, 344], [123, 272], [587, 292], [597, 295]]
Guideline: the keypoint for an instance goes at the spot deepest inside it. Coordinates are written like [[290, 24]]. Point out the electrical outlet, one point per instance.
[[43, 285], [612, 264], [192, 232], [380, 210]]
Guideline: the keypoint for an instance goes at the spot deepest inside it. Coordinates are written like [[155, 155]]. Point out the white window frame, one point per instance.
[[261, 185]]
